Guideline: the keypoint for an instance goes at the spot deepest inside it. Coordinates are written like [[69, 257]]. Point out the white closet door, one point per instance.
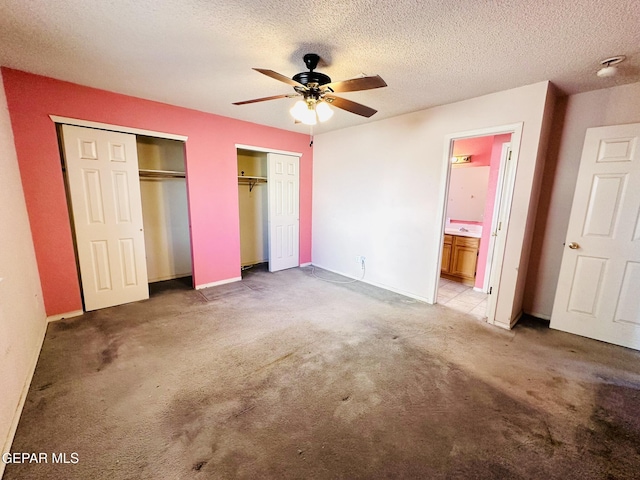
[[597, 294], [284, 211], [102, 170]]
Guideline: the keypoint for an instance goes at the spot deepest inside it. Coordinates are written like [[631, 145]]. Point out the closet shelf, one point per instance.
[[161, 173], [251, 181]]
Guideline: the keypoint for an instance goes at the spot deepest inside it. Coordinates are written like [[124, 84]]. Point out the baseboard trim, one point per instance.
[[510, 325], [379, 285], [515, 319], [220, 282], [23, 398], [61, 316], [504, 326], [308, 264]]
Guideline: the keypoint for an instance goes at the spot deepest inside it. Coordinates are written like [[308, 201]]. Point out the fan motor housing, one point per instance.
[[306, 78]]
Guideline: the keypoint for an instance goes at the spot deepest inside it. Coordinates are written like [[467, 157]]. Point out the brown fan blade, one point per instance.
[[264, 99], [349, 106], [355, 84], [278, 76]]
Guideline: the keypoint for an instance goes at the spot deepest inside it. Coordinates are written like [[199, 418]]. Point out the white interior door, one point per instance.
[[283, 179], [499, 211], [500, 224], [598, 294], [102, 172]]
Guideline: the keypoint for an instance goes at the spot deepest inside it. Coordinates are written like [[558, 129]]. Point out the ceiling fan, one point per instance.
[[316, 90]]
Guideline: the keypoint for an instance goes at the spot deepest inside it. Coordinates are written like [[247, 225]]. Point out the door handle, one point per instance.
[[573, 246]]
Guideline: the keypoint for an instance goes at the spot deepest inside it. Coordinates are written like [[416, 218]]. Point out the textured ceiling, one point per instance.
[[199, 53]]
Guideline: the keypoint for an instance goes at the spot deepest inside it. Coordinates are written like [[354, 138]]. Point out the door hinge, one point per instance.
[[490, 290], [509, 155], [499, 225]]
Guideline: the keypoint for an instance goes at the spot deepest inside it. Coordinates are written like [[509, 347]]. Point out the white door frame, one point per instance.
[[116, 128], [267, 150], [515, 130]]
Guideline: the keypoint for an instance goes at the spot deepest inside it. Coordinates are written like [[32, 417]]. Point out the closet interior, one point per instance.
[[163, 189], [253, 205]]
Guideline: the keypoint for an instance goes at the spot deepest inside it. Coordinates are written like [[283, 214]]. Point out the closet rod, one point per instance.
[[251, 181], [144, 173]]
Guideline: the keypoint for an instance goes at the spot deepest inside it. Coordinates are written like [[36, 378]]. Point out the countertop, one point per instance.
[[456, 231]]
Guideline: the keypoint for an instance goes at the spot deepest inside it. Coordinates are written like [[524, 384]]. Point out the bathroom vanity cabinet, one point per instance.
[[460, 258]]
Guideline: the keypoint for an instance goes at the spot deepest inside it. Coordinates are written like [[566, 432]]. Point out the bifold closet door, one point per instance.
[[284, 211], [102, 172]]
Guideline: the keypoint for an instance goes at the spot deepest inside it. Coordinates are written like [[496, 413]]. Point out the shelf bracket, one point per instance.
[[251, 181]]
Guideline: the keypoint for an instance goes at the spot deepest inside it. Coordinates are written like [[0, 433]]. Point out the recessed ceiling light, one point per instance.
[[608, 66]]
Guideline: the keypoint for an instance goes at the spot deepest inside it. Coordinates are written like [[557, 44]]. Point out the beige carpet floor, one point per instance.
[[286, 376]]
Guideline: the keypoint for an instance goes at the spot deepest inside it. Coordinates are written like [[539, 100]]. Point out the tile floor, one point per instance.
[[462, 298]]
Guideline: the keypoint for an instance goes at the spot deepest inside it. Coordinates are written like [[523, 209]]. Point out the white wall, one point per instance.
[[574, 114], [22, 315], [377, 192]]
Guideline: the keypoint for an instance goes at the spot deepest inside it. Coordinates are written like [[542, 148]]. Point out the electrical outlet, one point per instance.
[[360, 259]]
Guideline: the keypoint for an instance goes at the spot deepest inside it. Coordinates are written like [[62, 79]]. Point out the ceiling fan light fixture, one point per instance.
[[608, 66], [324, 111], [304, 112], [607, 72]]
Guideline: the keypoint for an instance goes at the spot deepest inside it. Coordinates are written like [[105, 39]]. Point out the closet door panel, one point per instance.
[[284, 208], [102, 173]]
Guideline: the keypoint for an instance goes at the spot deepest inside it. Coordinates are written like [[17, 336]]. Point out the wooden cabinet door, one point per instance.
[[464, 257], [464, 262]]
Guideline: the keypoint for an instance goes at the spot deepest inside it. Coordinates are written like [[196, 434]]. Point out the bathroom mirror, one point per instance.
[[467, 193]]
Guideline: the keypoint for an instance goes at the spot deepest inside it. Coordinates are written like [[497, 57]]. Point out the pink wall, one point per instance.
[[478, 147], [211, 175], [494, 170]]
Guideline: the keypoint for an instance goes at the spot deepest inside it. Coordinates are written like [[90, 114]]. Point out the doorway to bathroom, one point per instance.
[[478, 192]]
